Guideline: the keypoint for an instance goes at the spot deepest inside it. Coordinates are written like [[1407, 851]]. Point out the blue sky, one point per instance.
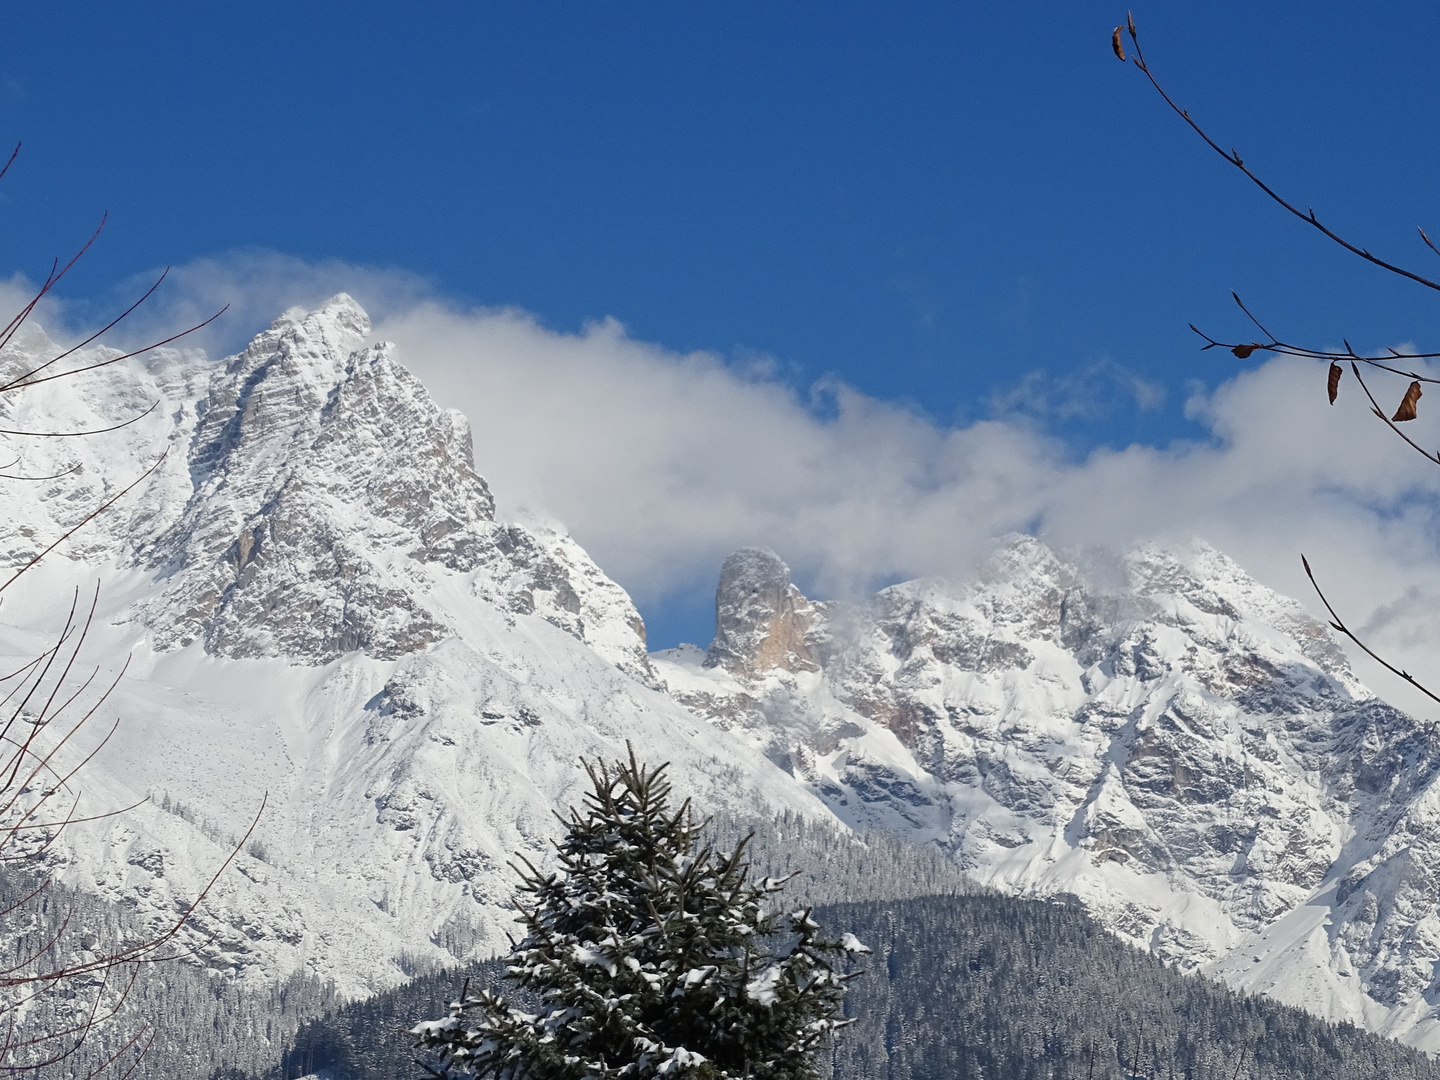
[[971, 210]]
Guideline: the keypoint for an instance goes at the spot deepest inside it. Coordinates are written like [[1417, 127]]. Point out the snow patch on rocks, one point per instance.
[[1158, 737], [317, 602]]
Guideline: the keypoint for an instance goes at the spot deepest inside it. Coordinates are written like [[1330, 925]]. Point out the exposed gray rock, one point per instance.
[[324, 480], [1182, 750]]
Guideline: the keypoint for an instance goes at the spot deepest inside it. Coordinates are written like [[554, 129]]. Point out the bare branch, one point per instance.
[[76, 820], [114, 359], [51, 280], [175, 929], [13, 155], [1339, 625], [32, 775], [80, 434], [1375, 408], [1307, 216], [36, 479], [28, 376], [84, 521]]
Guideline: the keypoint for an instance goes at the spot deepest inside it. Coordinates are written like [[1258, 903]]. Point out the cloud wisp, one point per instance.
[[1098, 390]]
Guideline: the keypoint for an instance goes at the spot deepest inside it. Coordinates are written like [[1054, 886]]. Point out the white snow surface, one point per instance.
[[319, 610], [1158, 737]]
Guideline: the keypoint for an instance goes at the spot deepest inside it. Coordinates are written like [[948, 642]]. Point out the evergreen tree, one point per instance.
[[650, 958]]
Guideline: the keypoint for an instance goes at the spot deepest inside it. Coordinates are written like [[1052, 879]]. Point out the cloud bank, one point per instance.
[[661, 463]]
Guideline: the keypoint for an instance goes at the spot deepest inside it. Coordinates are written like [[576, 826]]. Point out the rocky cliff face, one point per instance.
[[762, 619], [311, 496], [1162, 739], [324, 484]]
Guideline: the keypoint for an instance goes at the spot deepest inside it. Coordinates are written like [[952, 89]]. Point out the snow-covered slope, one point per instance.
[[1161, 738], [317, 603]]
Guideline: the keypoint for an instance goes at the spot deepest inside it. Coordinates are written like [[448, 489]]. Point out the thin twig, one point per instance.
[[1375, 408], [36, 479], [79, 434], [98, 333], [1234, 159], [24, 384], [84, 521], [1339, 624], [51, 280]]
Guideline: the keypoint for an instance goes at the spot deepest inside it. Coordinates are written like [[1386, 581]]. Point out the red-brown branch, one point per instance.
[[84, 521]]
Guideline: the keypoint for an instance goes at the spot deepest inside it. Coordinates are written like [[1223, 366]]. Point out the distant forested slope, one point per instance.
[[962, 983], [964, 987], [192, 1020], [987, 986]]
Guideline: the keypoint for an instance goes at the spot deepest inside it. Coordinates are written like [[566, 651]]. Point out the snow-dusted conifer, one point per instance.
[[649, 958]]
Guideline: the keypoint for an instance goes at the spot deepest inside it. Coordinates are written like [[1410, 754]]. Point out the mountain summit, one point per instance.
[[318, 603], [761, 619]]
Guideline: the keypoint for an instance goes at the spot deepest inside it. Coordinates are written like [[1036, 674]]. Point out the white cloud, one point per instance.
[[253, 285], [662, 463], [1099, 389]]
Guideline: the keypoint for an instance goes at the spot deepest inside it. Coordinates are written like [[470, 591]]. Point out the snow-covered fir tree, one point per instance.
[[650, 956]]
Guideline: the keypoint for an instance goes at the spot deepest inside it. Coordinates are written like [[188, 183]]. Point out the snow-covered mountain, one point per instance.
[[317, 603], [1159, 737]]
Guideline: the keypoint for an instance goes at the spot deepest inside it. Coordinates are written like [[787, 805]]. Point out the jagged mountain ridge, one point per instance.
[[317, 603], [1162, 739]]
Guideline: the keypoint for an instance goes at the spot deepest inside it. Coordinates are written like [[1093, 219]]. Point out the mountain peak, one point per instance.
[[321, 605], [341, 314], [761, 618], [331, 502]]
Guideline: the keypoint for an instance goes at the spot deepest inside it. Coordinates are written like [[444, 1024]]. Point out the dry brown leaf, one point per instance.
[[1407, 406], [1244, 351], [1115, 43], [1334, 387]]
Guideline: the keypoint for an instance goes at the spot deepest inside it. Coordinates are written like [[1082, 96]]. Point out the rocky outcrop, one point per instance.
[[761, 619]]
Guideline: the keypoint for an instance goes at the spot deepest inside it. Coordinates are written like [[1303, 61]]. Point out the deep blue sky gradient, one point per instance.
[[928, 200]]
